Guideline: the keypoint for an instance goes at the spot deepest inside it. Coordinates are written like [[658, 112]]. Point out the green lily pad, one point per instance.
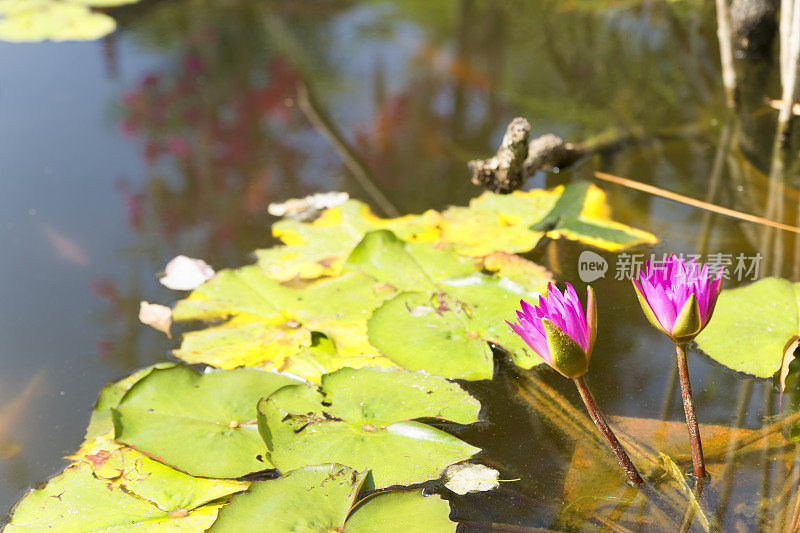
[[431, 332], [201, 424], [366, 418], [372, 396], [244, 341], [100, 422], [406, 266], [400, 511], [445, 329], [752, 326], [77, 502], [323, 498]]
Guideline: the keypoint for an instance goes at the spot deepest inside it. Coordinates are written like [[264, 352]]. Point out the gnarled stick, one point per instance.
[[517, 159]]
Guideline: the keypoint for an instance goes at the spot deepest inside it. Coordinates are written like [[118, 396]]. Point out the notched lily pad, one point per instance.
[[443, 326], [323, 498], [76, 501], [753, 326], [261, 323], [109, 397], [511, 223], [201, 424], [589, 221], [366, 418], [167, 488]]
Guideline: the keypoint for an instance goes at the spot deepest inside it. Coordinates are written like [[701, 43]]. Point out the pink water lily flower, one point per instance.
[[557, 330], [678, 296], [563, 337]]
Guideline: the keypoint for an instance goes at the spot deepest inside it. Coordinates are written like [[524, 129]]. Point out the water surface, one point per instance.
[[173, 134]]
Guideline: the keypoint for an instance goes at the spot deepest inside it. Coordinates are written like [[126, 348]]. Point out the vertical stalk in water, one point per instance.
[[598, 419], [698, 463]]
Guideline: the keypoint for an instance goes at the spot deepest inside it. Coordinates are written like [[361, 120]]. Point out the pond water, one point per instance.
[[173, 134]]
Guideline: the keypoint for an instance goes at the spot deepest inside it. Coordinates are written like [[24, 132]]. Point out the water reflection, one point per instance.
[[401, 96]]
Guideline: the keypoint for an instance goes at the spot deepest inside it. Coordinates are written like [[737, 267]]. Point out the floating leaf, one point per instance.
[[55, 20], [272, 323], [305, 208], [753, 342], [215, 412], [319, 248], [497, 222], [365, 418], [589, 221], [444, 325], [146, 478], [110, 395], [244, 341], [406, 511], [77, 502], [431, 332], [314, 498], [322, 498], [157, 316], [525, 273], [467, 477], [508, 223], [406, 266]]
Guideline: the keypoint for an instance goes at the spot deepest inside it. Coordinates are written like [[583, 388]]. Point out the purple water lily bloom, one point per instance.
[[557, 330], [563, 337], [678, 296]]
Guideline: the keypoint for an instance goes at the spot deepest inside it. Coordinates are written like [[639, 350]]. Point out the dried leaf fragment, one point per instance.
[[306, 208], [468, 477], [156, 316]]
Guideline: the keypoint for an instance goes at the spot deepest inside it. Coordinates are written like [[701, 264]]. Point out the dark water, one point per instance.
[[172, 135]]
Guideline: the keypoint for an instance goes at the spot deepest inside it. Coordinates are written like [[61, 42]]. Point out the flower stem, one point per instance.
[[691, 419], [597, 417]]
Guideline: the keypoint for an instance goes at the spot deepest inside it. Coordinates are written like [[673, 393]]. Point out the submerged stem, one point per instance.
[[698, 462], [622, 456]]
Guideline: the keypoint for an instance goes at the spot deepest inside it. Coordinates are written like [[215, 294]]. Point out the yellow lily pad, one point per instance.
[[55, 20], [76, 501], [513, 223], [261, 323]]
